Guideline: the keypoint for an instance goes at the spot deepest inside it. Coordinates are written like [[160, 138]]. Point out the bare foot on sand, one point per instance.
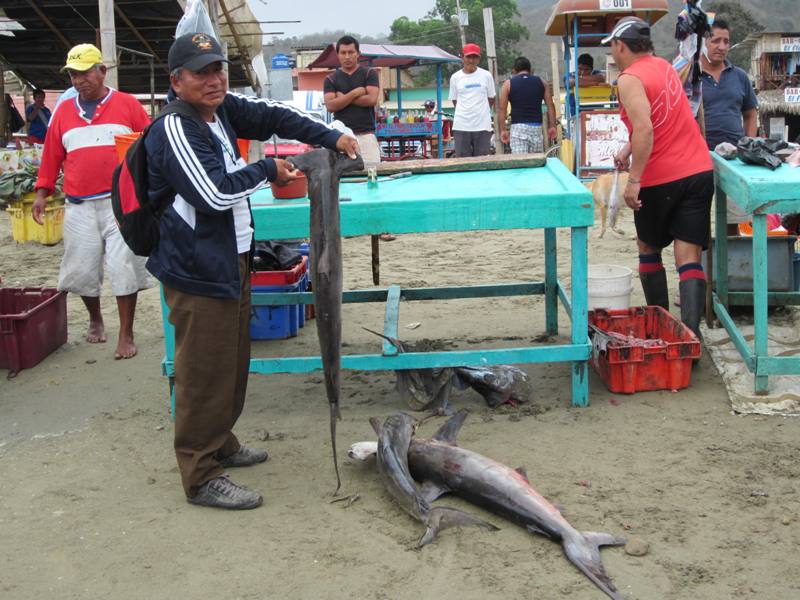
[[125, 348], [96, 333]]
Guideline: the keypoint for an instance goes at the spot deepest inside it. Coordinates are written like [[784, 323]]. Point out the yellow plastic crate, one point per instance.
[[25, 229]]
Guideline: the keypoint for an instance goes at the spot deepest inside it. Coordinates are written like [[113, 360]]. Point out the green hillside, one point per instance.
[[774, 15]]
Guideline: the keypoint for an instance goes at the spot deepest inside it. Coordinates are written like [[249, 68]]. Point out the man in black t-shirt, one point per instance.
[[351, 93]]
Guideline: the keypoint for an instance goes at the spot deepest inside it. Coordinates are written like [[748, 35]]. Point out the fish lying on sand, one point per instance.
[[444, 467], [394, 437], [323, 169]]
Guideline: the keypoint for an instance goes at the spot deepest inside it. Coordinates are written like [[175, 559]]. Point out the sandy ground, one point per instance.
[[91, 505]]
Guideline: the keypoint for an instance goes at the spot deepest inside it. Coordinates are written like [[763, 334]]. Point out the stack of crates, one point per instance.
[[25, 229], [284, 321]]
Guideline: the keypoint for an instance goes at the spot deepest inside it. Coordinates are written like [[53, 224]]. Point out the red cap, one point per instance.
[[471, 49]]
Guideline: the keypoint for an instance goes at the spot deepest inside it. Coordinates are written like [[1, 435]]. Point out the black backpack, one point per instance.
[[136, 214]]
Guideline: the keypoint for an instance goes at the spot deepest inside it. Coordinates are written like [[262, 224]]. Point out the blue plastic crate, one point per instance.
[[278, 322]]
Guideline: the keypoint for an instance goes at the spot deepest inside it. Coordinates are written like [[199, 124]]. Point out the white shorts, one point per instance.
[[90, 235], [369, 148]]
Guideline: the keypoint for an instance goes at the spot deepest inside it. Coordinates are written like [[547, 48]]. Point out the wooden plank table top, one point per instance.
[[520, 198]]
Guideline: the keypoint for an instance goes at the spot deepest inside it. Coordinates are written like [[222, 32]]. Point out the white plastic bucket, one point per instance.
[[609, 287]]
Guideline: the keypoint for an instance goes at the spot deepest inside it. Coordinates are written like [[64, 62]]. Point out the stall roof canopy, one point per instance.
[[388, 55], [561, 19], [49, 28]]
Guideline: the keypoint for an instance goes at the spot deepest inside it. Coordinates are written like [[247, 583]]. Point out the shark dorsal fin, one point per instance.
[[448, 432], [523, 473]]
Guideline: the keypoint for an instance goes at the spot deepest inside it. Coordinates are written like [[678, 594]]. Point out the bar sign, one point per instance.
[[790, 44], [792, 95], [615, 5]]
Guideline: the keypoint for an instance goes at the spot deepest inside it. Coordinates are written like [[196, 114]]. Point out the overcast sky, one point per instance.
[[365, 17]]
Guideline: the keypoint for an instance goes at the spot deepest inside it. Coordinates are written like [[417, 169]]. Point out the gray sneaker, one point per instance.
[[221, 492], [244, 457]]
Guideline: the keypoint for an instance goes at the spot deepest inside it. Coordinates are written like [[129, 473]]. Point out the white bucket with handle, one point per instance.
[[609, 287]]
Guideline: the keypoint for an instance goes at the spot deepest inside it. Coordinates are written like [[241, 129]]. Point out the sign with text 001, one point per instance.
[[616, 5], [791, 95]]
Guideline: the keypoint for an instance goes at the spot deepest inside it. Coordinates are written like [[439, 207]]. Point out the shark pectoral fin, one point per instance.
[[444, 517], [376, 424], [537, 531], [598, 539], [523, 473], [431, 491], [448, 432]]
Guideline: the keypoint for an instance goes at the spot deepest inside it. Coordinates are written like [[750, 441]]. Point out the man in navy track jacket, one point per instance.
[[203, 255]]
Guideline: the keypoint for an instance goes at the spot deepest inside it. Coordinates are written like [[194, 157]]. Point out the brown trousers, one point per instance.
[[212, 361]]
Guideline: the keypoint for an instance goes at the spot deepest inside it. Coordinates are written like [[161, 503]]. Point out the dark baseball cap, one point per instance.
[[629, 29], [194, 51]]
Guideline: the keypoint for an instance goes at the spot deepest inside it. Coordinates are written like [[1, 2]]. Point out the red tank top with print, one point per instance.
[[679, 149]]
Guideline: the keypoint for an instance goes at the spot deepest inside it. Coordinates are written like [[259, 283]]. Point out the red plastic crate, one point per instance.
[[288, 277], [33, 323], [642, 349]]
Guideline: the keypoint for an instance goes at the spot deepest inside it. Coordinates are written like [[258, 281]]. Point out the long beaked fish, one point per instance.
[[444, 467], [394, 438], [323, 169]]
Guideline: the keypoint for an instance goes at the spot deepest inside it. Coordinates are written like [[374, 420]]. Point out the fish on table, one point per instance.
[[394, 438], [442, 467], [323, 168]]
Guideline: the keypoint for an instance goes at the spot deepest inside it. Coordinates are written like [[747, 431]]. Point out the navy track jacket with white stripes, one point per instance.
[[197, 252]]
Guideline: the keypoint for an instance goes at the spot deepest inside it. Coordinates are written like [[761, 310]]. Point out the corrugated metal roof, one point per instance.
[[388, 55], [38, 52]]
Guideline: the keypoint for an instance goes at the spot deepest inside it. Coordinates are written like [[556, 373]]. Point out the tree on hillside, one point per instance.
[[437, 29], [742, 23]]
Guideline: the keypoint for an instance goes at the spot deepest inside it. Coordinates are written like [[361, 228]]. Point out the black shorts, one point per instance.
[[678, 210]]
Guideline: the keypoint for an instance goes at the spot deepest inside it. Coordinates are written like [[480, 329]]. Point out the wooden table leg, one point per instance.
[[376, 260], [580, 313]]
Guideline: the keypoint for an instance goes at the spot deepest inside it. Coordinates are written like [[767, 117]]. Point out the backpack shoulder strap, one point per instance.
[[186, 110]]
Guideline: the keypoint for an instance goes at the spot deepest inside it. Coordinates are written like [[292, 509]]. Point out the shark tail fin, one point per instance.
[[584, 553], [441, 517]]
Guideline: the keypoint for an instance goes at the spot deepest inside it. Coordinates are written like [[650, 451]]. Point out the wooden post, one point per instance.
[[4, 112], [376, 259], [108, 41], [556, 89], [491, 55]]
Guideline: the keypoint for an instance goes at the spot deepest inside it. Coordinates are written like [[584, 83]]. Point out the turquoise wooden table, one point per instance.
[[758, 191], [546, 198]]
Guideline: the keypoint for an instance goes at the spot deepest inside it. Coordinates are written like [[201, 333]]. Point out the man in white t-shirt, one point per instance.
[[472, 93]]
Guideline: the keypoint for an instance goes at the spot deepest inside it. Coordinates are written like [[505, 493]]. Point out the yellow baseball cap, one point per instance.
[[83, 57]]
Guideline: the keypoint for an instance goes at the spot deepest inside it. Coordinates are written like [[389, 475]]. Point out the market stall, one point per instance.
[[758, 191], [401, 130], [595, 131], [546, 197]]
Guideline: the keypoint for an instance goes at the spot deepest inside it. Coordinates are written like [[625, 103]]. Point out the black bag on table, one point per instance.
[[760, 151]]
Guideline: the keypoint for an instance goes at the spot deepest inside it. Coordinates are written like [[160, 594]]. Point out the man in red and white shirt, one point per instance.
[[80, 140]]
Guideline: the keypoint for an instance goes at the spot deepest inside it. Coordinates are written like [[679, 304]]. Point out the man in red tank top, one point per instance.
[[671, 181]]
